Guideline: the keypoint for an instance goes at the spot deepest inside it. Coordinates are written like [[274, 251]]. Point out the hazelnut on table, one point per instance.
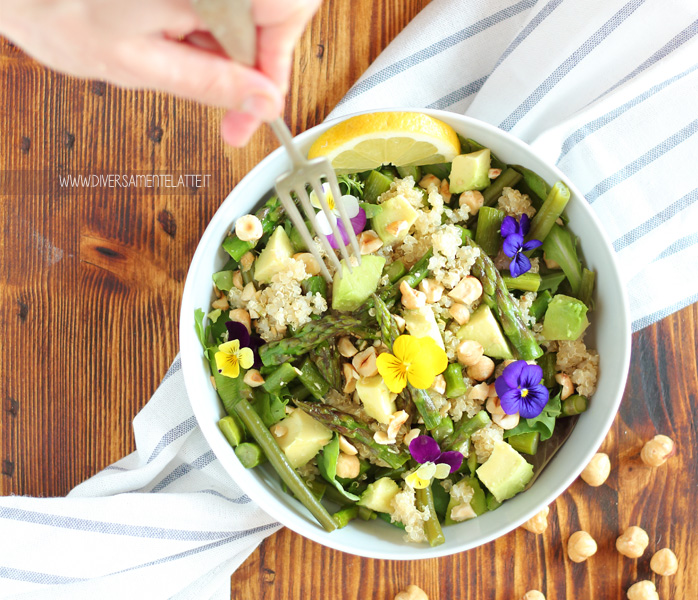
[[533, 595], [581, 546], [412, 592], [538, 523], [643, 590], [598, 470], [633, 542], [664, 562], [656, 451]]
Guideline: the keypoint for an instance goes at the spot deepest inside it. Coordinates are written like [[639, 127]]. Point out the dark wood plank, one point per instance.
[[91, 281]]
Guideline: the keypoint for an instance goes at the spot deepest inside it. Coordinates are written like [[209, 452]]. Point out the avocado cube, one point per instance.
[[379, 495], [565, 319], [351, 290], [272, 258], [395, 209], [378, 400], [470, 172], [421, 322], [303, 439], [505, 473], [484, 328]]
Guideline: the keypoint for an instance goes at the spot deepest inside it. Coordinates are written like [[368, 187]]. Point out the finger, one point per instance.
[[237, 128], [184, 70], [277, 39]]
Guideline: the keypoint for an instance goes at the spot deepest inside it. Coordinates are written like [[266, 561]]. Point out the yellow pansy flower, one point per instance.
[[414, 360], [421, 478], [230, 357]]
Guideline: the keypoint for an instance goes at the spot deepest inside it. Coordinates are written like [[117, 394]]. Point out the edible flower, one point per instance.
[[425, 450], [230, 357], [520, 390], [356, 215], [417, 360], [238, 331], [514, 245]]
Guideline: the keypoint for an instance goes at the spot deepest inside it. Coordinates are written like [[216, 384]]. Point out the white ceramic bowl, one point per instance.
[[610, 335]]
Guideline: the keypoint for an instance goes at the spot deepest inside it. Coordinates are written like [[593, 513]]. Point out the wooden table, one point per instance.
[[91, 282]]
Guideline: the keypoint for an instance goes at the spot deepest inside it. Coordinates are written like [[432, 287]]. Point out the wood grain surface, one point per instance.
[[91, 282]]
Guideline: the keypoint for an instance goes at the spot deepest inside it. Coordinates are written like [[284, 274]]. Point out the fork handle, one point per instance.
[[280, 129]]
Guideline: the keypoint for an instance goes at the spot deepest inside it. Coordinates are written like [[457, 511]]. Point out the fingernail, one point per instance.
[[261, 106]]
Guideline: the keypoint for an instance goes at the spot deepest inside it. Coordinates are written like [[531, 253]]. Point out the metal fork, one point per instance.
[[311, 173], [230, 22]]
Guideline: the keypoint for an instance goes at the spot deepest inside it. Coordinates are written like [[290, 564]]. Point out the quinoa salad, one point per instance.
[[417, 387]]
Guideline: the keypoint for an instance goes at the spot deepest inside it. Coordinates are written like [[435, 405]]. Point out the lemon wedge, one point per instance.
[[403, 139]]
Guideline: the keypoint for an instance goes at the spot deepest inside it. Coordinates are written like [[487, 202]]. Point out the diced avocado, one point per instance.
[[565, 319], [379, 494], [273, 256], [470, 171], [303, 439], [478, 502], [421, 322], [351, 290], [395, 209], [484, 328], [505, 473], [378, 400]]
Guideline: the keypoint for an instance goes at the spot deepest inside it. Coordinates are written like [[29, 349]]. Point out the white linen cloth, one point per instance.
[[607, 89]]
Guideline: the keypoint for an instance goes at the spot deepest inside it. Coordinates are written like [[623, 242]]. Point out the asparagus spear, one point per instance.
[[551, 210], [309, 336], [326, 359], [432, 527], [349, 427], [509, 178], [391, 293], [498, 298], [270, 214], [464, 430]]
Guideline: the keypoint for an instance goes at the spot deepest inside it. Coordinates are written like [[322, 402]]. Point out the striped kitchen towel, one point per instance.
[[607, 89]]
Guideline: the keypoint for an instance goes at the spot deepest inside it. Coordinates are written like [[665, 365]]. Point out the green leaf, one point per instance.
[[201, 331], [544, 423], [270, 407], [327, 463], [371, 209], [350, 184], [230, 390], [214, 314]]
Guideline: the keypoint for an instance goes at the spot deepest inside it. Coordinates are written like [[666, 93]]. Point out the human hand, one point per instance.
[[162, 45]]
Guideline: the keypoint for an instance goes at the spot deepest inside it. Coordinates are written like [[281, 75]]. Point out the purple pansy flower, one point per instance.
[[238, 331], [520, 390], [514, 245], [425, 449]]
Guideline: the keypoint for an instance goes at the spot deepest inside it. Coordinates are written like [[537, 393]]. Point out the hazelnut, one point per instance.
[[381, 437], [412, 592], [348, 466], [365, 362], [567, 388], [478, 393], [400, 322], [397, 228], [278, 430], [550, 263], [538, 523], [482, 369], [439, 385], [643, 590], [469, 353], [664, 562], [581, 546], [473, 200], [633, 542], [428, 180], [346, 446], [412, 298], [460, 313], [312, 266], [220, 304], [246, 261], [463, 512], [397, 420], [253, 378], [248, 292], [249, 228], [445, 190], [241, 316], [656, 452], [506, 421], [467, 291], [493, 174], [413, 433], [346, 348], [369, 242], [237, 280], [432, 290], [349, 378], [533, 594], [598, 469]]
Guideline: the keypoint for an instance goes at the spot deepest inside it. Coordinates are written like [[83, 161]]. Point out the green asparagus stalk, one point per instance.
[[395, 270], [443, 430], [498, 298], [326, 359], [376, 184], [540, 305], [487, 235], [574, 405], [528, 282], [278, 460], [315, 285], [270, 214], [547, 362], [309, 336], [465, 429], [386, 322], [508, 178], [344, 515], [232, 429], [349, 427], [311, 378], [425, 406], [465, 233], [250, 454], [586, 288], [455, 384], [527, 443], [414, 172], [440, 170], [560, 246], [276, 382], [550, 212], [432, 527]]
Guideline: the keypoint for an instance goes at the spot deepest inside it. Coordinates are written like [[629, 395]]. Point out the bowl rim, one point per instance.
[[257, 489]]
